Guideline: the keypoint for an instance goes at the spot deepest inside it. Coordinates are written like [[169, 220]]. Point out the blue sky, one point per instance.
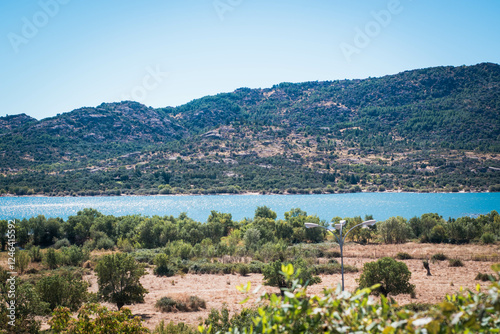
[[58, 55]]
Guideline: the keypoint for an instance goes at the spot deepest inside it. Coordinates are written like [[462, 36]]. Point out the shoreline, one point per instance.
[[250, 193]]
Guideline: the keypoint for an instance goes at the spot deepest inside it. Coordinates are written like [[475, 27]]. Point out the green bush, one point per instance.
[[483, 277], [62, 290], [221, 322], [173, 328], [163, 266], [145, 255], [207, 268], [242, 269], [62, 243], [332, 254], [166, 304], [94, 318], [105, 243], [393, 277], [28, 305], [23, 259], [439, 257], [488, 238], [403, 256], [51, 259], [255, 267], [196, 303], [191, 304], [36, 254], [125, 245], [73, 256], [455, 263]]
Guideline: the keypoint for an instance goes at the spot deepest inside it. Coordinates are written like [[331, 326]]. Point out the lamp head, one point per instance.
[[369, 222], [340, 224]]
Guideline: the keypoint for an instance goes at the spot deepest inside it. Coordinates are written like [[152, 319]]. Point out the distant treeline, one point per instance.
[[93, 230]]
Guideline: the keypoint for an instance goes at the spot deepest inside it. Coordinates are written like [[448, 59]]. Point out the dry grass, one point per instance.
[[425, 251]]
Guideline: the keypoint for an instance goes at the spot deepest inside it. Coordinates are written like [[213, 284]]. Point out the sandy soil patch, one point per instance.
[[218, 290]]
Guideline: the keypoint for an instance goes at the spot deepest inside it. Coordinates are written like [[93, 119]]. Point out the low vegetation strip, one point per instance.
[[91, 258]]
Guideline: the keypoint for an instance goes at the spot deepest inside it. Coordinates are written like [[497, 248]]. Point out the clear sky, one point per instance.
[[59, 55]]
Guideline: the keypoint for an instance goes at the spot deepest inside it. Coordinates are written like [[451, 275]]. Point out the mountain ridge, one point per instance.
[[444, 111]]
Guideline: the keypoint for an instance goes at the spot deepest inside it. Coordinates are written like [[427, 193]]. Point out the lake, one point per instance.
[[380, 205]]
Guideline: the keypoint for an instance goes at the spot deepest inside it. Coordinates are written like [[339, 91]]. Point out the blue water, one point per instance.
[[380, 205]]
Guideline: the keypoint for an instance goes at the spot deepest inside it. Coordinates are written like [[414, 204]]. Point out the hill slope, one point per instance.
[[421, 130]]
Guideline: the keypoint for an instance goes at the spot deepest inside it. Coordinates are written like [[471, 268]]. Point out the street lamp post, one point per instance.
[[342, 237]]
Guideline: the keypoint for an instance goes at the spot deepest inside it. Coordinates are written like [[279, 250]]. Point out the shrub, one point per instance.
[[145, 255], [403, 256], [242, 269], [94, 318], [488, 238], [439, 257], [166, 304], [27, 306], [483, 277], [190, 304], [252, 238], [220, 322], [172, 328], [211, 268], [196, 303], [455, 263], [35, 254], [23, 259], [393, 277], [332, 254], [62, 243], [104, 243], [62, 290], [163, 267], [255, 267], [74, 256], [125, 245], [51, 259]]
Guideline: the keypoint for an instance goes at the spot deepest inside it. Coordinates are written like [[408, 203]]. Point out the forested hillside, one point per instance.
[[421, 130]]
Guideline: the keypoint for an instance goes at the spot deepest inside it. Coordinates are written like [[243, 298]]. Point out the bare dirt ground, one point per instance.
[[218, 290]]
